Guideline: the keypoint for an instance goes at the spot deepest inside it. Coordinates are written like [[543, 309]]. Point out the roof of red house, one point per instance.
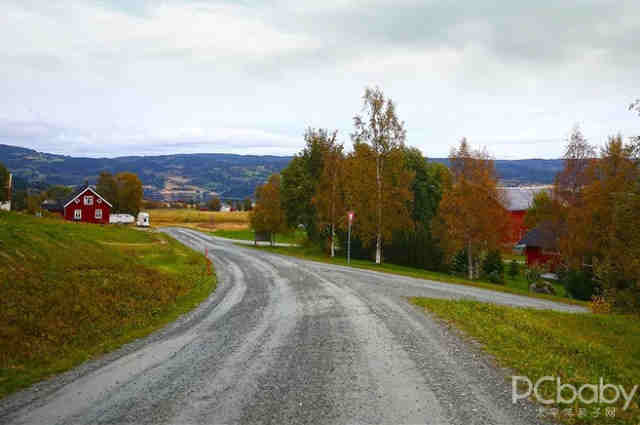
[[542, 236], [79, 192], [520, 198]]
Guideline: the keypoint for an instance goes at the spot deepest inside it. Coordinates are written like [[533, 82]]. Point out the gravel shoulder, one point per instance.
[[285, 340]]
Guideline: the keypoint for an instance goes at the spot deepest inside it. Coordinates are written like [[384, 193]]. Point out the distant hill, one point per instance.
[[520, 172], [189, 176], [166, 177]]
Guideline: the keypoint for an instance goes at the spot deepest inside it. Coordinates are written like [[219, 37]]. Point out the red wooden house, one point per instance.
[[516, 201], [540, 246], [88, 206]]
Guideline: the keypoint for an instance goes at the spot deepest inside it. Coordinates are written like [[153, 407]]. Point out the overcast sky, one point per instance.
[[123, 77]]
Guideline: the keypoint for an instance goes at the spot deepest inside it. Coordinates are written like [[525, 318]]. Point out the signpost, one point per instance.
[[350, 215]]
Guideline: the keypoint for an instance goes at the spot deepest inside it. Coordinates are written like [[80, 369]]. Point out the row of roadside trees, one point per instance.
[[594, 213], [412, 212], [407, 210]]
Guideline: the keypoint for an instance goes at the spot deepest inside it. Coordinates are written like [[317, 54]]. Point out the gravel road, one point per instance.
[[286, 341]]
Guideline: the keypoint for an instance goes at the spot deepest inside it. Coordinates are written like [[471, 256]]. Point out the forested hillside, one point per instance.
[[189, 176]]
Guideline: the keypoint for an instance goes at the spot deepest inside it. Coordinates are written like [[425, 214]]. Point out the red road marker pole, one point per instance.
[[206, 255]]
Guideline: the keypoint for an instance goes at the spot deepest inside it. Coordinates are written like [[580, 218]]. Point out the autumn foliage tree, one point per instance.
[[382, 181], [577, 157], [214, 204], [329, 199], [300, 179], [472, 209], [123, 191], [543, 209], [377, 213], [268, 214], [605, 228]]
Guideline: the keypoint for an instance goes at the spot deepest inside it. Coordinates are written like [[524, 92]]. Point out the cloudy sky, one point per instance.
[[121, 77]]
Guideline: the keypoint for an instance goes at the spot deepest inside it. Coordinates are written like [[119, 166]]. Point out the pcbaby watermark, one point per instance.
[[602, 392]]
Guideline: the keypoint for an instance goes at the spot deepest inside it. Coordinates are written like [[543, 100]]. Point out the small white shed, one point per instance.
[[121, 218]]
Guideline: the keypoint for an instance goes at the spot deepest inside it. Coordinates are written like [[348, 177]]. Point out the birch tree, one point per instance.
[[577, 158], [379, 127], [329, 198]]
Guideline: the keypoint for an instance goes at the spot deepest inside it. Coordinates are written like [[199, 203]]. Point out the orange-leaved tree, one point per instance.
[[377, 213], [471, 208], [130, 192], [608, 224], [329, 194], [268, 214], [386, 178]]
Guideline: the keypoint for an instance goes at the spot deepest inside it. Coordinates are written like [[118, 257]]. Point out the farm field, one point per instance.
[[579, 348], [72, 291], [207, 220]]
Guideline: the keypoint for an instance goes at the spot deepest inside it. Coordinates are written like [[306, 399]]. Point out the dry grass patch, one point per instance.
[[71, 291], [203, 219]]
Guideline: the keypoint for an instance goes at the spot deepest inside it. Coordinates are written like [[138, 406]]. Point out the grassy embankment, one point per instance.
[[578, 348], [72, 291], [232, 225], [517, 286]]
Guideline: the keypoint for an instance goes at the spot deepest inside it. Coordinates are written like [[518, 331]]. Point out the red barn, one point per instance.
[[517, 201], [88, 206], [540, 246]]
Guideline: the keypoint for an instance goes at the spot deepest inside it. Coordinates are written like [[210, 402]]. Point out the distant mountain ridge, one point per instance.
[[198, 176]]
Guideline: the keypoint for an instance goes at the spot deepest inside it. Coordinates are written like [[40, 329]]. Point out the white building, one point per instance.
[[121, 219]]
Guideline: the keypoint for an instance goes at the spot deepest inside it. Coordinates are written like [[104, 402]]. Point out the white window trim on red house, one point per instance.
[[88, 200], [98, 214], [77, 214], [82, 193]]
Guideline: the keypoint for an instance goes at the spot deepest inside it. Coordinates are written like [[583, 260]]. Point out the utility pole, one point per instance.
[[350, 215]]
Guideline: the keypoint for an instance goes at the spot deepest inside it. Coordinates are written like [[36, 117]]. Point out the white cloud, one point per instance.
[[191, 76]]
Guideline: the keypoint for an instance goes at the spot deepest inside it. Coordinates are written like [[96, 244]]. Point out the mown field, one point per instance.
[[577, 348], [71, 291], [236, 220]]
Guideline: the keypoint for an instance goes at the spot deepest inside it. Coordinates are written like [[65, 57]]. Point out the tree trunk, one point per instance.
[[469, 261], [333, 215], [378, 211], [333, 241]]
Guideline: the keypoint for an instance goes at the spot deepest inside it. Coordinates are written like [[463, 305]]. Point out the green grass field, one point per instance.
[[516, 286], [578, 348], [71, 291], [297, 237]]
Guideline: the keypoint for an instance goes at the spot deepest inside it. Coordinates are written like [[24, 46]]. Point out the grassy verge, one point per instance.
[[73, 291], [578, 348], [297, 237], [517, 286]]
